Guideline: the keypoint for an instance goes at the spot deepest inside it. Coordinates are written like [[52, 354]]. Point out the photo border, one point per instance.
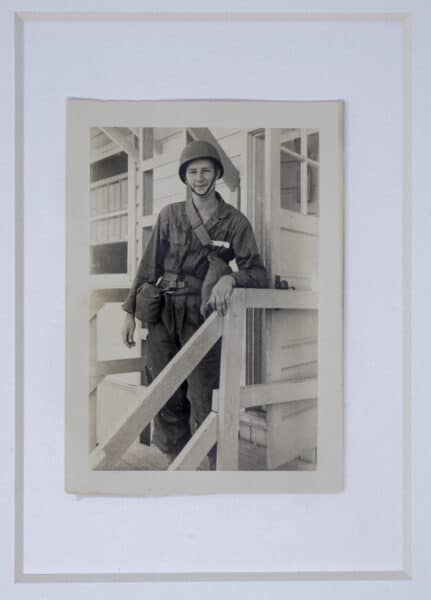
[[327, 117]]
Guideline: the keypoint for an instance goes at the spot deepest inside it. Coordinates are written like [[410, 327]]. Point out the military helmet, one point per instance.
[[196, 150]]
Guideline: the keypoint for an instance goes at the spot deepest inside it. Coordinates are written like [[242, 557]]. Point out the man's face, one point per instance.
[[201, 175]]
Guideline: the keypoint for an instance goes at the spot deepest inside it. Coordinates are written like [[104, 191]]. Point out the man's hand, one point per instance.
[[221, 293], [128, 330]]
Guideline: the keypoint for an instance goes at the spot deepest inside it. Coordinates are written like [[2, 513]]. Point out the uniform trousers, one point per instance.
[[191, 403]]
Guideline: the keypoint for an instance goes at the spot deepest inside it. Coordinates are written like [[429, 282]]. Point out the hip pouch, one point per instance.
[[149, 302]]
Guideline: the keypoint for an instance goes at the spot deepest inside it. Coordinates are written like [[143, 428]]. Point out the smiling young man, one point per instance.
[[186, 261]]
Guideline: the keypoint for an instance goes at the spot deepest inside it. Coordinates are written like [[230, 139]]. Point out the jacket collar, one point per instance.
[[222, 211], [223, 208]]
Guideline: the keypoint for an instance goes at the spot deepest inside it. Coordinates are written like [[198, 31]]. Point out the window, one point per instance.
[[299, 170], [109, 215]]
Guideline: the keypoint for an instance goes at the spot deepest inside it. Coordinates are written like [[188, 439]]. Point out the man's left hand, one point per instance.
[[221, 293]]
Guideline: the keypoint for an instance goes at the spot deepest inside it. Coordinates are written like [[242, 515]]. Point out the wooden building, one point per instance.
[[271, 175]]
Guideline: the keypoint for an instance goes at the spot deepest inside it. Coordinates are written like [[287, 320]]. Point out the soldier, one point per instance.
[[184, 275]]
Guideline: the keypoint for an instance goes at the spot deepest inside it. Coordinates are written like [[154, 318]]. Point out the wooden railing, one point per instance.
[[221, 427]]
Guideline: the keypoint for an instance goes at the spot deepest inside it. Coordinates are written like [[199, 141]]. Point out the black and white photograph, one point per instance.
[[204, 265]]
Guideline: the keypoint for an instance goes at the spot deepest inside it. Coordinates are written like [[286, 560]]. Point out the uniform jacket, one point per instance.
[[175, 249]]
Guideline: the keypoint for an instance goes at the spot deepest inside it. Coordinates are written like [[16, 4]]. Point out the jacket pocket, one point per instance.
[[177, 237]]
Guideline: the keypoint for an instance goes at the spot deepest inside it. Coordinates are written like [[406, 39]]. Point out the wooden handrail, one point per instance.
[[153, 398], [100, 297], [281, 299], [223, 423]]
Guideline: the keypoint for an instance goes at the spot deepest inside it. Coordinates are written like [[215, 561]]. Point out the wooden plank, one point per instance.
[[271, 233], [100, 297], [170, 148], [115, 213], [132, 192], [198, 447], [92, 396], [304, 174], [110, 367], [148, 192], [110, 281], [283, 299], [231, 174], [147, 143], [121, 140], [278, 392], [272, 206], [107, 180], [110, 149], [92, 419], [157, 394], [230, 381], [293, 221]]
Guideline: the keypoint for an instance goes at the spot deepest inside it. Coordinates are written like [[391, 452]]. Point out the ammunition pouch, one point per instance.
[[149, 302]]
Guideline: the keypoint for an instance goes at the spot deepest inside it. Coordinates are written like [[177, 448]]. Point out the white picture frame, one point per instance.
[[411, 577]]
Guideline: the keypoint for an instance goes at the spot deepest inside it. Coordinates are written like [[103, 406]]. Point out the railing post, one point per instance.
[[230, 382]]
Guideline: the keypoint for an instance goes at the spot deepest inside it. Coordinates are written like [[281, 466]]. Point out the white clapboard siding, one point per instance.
[[168, 186], [123, 193], [124, 227], [295, 327], [293, 431], [114, 202], [102, 199], [231, 144], [307, 370], [300, 353], [167, 169], [298, 251], [159, 204], [171, 148]]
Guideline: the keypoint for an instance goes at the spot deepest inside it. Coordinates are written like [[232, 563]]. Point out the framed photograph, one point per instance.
[[318, 121], [245, 389]]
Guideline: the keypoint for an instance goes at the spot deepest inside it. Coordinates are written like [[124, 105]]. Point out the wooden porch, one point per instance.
[[121, 449], [140, 457]]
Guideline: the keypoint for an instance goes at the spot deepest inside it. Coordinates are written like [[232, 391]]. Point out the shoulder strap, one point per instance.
[[197, 224]]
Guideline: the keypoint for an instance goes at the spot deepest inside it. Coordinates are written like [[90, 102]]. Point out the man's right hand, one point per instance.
[[128, 330]]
